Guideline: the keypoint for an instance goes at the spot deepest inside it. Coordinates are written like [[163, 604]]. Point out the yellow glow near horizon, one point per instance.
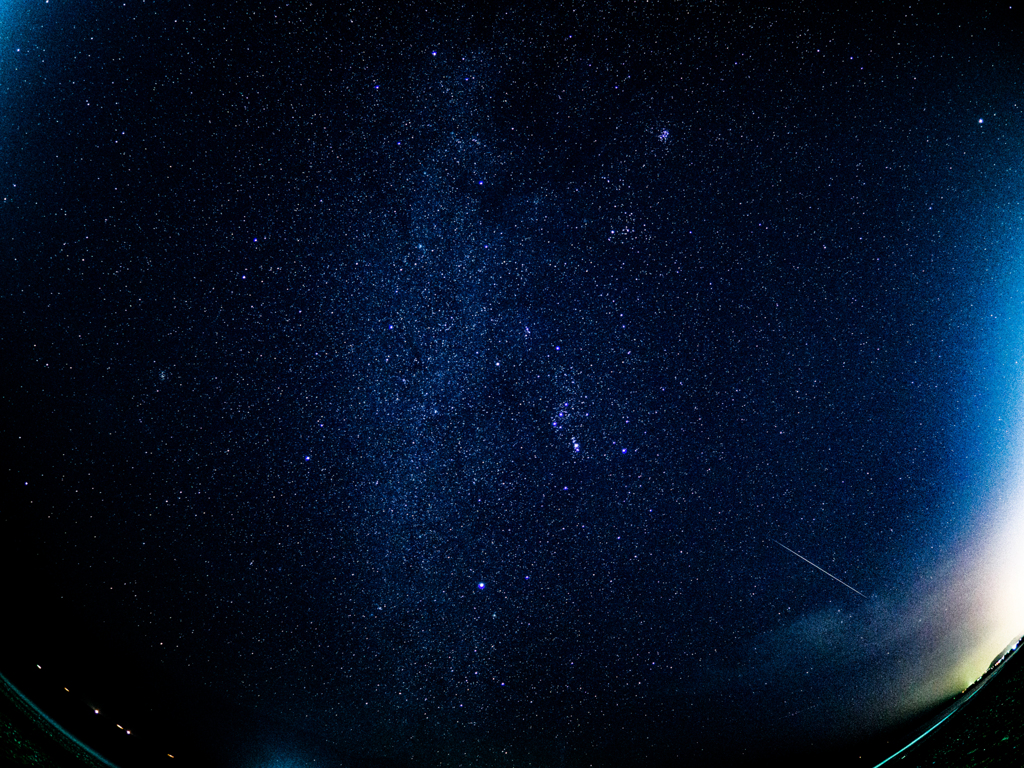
[[1003, 573], [976, 602], [995, 572]]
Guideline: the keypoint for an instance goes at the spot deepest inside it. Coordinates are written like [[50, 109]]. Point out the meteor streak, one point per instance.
[[820, 569]]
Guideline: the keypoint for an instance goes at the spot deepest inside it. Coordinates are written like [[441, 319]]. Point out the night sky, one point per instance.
[[525, 385]]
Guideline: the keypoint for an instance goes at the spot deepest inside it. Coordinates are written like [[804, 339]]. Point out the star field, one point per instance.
[[471, 387]]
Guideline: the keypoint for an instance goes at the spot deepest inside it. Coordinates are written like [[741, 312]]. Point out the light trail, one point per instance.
[[821, 569]]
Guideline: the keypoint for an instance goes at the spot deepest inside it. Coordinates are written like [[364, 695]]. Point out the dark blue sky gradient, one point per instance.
[[318, 320]]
